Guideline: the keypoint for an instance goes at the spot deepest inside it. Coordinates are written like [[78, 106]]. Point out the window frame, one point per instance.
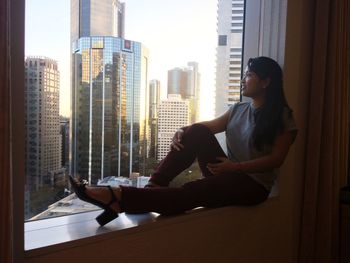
[[16, 28], [253, 21]]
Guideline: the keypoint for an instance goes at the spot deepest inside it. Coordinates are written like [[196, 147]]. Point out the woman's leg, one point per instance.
[[198, 142], [209, 155], [212, 191]]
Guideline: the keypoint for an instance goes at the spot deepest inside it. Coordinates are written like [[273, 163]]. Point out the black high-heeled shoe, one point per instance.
[[108, 214]]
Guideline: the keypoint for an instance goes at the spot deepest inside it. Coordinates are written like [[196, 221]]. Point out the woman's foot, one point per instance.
[[103, 195]]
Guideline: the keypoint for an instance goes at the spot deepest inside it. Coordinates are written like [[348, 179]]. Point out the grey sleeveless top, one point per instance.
[[239, 140]]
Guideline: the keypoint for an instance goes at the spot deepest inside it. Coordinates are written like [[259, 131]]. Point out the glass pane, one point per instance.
[[104, 97], [47, 82]]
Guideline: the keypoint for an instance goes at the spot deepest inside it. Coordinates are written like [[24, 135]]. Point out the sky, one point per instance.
[[175, 32]]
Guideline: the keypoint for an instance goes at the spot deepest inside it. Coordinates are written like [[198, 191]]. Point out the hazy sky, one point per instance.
[[175, 32]]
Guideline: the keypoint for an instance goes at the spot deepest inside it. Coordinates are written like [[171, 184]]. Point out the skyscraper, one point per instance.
[[173, 114], [228, 57], [109, 125], [109, 107], [229, 54], [154, 101], [97, 18], [42, 119], [186, 82], [178, 82]]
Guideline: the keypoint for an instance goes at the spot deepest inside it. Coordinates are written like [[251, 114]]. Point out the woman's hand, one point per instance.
[[176, 141], [225, 165]]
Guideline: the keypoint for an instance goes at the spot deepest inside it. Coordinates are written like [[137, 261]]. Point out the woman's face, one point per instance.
[[252, 86]]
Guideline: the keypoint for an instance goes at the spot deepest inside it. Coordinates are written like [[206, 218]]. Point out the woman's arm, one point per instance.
[[219, 124], [216, 125], [273, 160], [262, 164]]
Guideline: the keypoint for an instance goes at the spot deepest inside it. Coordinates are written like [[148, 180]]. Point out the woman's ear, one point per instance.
[[266, 82]]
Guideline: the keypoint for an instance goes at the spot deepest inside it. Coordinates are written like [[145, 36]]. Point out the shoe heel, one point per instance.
[[106, 216]]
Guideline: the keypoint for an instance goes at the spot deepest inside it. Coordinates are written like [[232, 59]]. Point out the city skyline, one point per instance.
[[187, 32], [105, 86]]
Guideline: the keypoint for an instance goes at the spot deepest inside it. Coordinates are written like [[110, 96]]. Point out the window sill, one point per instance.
[[57, 234], [54, 233], [133, 237]]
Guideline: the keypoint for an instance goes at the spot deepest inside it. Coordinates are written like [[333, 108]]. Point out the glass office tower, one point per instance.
[[97, 18], [110, 102]]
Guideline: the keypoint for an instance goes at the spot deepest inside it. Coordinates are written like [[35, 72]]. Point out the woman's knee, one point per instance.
[[197, 130]]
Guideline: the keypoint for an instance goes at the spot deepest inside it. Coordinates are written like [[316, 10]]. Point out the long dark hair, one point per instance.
[[269, 117]]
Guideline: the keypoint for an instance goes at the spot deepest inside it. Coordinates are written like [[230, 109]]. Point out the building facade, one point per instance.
[[154, 101], [97, 18], [186, 82], [229, 54], [178, 82], [173, 114], [109, 121], [42, 123]]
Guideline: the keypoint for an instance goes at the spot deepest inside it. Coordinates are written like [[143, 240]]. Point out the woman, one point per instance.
[[258, 134]]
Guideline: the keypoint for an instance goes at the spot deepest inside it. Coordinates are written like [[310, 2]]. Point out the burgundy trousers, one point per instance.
[[212, 191]]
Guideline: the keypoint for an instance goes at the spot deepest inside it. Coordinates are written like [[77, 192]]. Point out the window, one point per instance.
[[77, 50], [96, 61], [237, 12], [222, 40]]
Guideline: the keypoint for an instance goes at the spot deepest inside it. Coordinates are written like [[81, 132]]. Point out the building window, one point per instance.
[[222, 40]]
